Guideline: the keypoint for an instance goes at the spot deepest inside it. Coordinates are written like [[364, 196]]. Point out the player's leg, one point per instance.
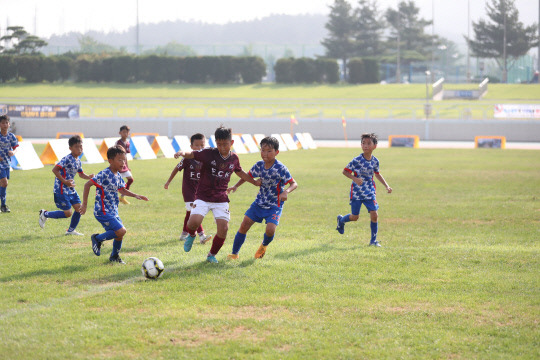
[[240, 236], [112, 225], [185, 231], [218, 241], [62, 202], [74, 219], [4, 176], [372, 207], [353, 216], [198, 212], [126, 175], [272, 217], [117, 245]]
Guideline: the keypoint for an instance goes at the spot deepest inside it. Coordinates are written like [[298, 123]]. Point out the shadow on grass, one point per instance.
[[18, 239], [43, 272]]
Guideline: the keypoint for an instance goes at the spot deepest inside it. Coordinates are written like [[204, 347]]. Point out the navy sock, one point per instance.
[[267, 239], [345, 218], [117, 245], [107, 235], [374, 229], [238, 242], [58, 214], [3, 191], [74, 221]]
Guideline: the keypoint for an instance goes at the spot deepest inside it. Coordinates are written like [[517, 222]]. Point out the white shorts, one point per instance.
[[189, 206], [220, 210], [126, 174]]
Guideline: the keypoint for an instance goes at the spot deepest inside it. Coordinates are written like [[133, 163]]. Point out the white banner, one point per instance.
[[521, 111]]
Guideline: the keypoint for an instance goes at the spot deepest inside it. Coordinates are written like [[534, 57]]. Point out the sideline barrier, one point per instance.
[[289, 142], [250, 143], [106, 144], [67, 135], [54, 151], [309, 140], [165, 145], [26, 157], [141, 147], [282, 145], [301, 141], [151, 139], [238, 146], [403, 141], [491, 142], [181, 142], [91, 152]]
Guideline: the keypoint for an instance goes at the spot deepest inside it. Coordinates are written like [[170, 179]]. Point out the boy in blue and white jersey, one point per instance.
[[361, 171], [65, 195], [108, 184], [8, 144], [268, 204]]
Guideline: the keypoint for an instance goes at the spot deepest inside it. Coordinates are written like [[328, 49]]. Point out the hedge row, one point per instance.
[[306, 70], [363, 71], [126, 68]]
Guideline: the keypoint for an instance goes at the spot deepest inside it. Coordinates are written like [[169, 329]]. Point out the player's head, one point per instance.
[[271, 142], [223, 140], [75, 145], [124, 131], [116, 155], [197, 141], [4, 122], [369, 141], [269, 149]]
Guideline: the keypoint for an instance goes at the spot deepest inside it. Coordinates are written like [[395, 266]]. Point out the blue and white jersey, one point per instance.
[[69, 166], [7, 144], [107, 186], [364, 169], [273, 182]]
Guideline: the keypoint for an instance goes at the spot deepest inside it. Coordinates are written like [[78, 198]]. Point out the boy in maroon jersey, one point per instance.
[[218, 164], [125, 172], [190, 181]]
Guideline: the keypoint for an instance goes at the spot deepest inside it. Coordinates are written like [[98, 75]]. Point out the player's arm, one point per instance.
[[292, 186], [84, 176], [56, 171], [173, 174], [126, 192], [244, 176], [184, 154], [381, 179], [236, 186], [86, 191], [348, 173]]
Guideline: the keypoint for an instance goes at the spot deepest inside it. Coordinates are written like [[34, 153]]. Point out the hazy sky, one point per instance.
[[61, 16]]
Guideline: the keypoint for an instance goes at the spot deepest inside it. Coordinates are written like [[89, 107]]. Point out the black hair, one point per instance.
[[75, 139], [197, 136], [124, 127], [115, 150], [371, 136], [4, 117], [270, 141], [223, 133]]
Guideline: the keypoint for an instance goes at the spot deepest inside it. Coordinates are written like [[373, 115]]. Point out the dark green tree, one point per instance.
[[21, 42], [341, 30], [503, 37], [368, 29]]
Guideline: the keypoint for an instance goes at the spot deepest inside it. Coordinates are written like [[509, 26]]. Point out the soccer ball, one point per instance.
[[152, 268]]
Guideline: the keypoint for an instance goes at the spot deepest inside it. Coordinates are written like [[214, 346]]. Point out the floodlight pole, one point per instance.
[[137, 30], [427, 107], [468, 39]]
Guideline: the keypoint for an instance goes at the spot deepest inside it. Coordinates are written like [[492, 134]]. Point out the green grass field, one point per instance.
[[264, 100], [457, 276]]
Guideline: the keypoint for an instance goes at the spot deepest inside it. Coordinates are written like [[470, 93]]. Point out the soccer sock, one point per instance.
[[191, 232], [107, 235], [374, 229], [186, 218], [128, 184], [238, 242], [3, 191], [345, 218], [116, 246], [200, 230], [59, 214], [74, 220], [267, 239], [217, 243]]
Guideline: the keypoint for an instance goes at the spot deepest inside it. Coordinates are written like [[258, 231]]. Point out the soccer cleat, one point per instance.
[[123, 200], [183, 236], [74, 232], [205, 238], [4, 208], [116, 259], [188, 243], [375, 243], [232, 257], [96, 245], [211, 259], [42, 218], [340, 226], [260, 251]]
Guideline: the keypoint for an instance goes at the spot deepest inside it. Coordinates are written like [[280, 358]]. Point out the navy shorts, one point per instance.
[[258, 214], [65, 201], [109, 222], [371, 205], [4, 173]]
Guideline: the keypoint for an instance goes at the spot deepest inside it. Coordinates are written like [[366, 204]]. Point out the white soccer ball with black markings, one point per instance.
[[152, 268]]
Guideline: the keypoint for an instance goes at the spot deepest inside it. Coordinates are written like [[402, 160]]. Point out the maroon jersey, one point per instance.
[[216, 173], [190, 181], [125, 145]]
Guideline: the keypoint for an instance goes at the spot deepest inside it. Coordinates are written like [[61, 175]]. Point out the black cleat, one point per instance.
[[5, 209], [96, 245], [116, 259]]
